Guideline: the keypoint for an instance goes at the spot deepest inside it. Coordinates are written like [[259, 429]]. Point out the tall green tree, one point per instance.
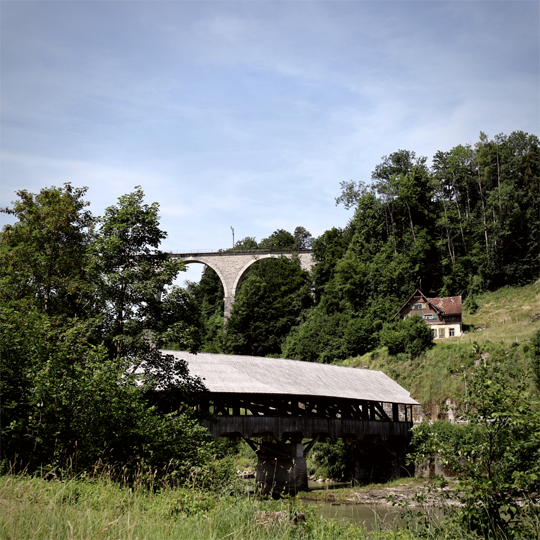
[[45, 260], [138, 314], [83, 313], [279, 240], [269, 302]]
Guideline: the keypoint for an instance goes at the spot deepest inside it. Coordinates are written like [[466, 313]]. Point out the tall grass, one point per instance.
[[101, 509], [91, 508]]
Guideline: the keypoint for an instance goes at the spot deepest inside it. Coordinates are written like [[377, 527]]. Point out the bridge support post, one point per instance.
[[281, 468], [378, 460]]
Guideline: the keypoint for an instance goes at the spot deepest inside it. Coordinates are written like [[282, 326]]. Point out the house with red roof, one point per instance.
[[443, 315]]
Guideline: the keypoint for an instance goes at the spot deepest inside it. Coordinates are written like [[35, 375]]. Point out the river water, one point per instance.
[[367, 516], [370, 517]]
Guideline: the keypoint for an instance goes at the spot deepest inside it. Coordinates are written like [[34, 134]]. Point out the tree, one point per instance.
[[302, 238], [267, 306], [45, 262], [327, 250], [497, 456], [279, 240], [85, 310], [66, 403], [319, 338], [246, 244], [134, 277]]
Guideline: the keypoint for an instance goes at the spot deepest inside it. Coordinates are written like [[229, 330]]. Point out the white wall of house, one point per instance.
[[442, 331]]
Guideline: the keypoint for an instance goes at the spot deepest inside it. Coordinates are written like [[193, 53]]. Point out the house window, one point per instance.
[[433, 334], [450, 332], [418, 306], [442, 332], [429, 317]]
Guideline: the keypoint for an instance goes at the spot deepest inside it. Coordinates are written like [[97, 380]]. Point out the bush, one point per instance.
[[411, 335], [65, 402], [497, 456], [535, 342]]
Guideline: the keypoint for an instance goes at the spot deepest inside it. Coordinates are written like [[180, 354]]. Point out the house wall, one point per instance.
[[437, 323], [446, 327]]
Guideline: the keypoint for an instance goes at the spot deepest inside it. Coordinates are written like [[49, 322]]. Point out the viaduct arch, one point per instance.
[[231, 265]]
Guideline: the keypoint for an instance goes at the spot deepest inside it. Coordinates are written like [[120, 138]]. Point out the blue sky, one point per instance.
[[251, 113]]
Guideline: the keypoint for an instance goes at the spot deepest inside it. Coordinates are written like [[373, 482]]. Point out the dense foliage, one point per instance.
[[84, 311], [496, 455], [467, 223]]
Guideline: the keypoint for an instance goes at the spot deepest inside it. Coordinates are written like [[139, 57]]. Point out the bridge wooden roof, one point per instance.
[[222, 373]]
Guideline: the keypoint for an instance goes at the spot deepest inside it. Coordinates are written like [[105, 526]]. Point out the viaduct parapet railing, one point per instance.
[[230, 266]]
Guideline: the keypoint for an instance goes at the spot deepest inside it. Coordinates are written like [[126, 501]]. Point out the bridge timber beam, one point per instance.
[[230, 266], [248, 427]]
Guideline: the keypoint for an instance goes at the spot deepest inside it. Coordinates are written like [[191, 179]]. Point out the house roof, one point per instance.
[[449, 305], [222, 373]]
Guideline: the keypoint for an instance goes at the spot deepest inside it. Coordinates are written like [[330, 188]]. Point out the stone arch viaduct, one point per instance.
[[231, 265]]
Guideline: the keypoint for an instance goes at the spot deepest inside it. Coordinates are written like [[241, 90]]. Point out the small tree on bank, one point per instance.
[[410, 335]]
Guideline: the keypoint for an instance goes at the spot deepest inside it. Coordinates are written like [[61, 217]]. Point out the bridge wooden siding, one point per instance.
[[310, 428], [252, 395]]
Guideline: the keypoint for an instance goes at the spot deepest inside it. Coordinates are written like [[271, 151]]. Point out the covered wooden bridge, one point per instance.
[[276, 404]]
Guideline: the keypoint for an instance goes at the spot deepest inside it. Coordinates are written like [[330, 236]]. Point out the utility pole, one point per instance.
[[232, 237]]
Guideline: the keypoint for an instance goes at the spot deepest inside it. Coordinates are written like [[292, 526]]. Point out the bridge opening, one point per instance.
[[208, 290]]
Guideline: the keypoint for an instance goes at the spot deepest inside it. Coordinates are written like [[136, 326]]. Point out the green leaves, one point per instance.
[[44, 258], [83, 312], [134, 275], [267, 306], [411, 336], [496, 454]]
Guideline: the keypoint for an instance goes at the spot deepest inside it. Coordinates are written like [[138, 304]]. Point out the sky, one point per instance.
[[249, 114]]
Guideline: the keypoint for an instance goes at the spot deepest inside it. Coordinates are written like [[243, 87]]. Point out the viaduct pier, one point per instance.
[[231, 265]]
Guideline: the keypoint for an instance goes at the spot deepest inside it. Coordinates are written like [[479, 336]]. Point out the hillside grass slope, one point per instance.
[[501, 321]]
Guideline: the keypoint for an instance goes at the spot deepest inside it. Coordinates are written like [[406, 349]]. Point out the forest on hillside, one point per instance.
[[465, 224]]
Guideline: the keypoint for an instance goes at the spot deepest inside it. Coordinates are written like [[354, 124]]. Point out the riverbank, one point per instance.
[[411, 491]]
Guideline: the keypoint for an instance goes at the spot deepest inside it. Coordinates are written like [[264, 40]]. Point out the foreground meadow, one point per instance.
[[97, 509]]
